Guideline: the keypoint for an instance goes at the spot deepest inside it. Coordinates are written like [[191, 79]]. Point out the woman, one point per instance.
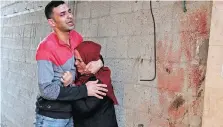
[[90, 111]]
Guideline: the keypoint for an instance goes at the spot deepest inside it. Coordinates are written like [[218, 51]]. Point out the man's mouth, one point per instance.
[[70, 23]]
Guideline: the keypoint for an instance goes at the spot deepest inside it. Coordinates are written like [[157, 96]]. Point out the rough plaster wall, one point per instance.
[[125, 31], [182, 55], [182, 66]]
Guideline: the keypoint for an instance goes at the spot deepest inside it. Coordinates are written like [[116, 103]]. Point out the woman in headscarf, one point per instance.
[[91, 111]]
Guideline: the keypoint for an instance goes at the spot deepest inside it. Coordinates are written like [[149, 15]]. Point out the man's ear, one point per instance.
[[51, 22]]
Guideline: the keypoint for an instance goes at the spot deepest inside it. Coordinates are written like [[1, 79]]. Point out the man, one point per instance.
[[55, 60]]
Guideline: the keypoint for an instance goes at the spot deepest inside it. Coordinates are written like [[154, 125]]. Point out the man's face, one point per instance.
[[62, 18]]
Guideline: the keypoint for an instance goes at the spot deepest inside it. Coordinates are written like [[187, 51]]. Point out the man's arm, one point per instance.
[[69, 76], [94, 66], [54, 90]]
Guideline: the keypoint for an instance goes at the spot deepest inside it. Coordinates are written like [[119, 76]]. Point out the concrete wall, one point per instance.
[[23, 26], [125, 31], [213, 97]]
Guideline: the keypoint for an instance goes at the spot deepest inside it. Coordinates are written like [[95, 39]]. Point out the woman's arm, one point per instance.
[[88, 104]]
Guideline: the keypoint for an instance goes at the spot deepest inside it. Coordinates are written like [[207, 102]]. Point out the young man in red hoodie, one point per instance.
[[55, 61]]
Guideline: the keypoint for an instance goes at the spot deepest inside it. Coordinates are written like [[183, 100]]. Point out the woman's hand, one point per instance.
[[67, 78]]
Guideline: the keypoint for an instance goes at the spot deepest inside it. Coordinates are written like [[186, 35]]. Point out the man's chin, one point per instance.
[[71, 27]]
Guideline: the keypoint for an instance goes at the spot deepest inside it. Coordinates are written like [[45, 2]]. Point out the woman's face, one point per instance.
[[79, 62]]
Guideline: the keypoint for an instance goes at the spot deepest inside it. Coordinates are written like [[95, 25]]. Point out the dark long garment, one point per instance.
[[94, 112]]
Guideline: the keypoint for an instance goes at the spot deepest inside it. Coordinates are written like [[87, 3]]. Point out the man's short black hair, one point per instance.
[[49, 7]]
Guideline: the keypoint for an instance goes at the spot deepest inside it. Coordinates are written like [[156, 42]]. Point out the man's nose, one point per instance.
[[70, 15]]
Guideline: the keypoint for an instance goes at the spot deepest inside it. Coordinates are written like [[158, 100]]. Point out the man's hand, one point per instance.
[[67, 78], [97, 90], [93, 66]]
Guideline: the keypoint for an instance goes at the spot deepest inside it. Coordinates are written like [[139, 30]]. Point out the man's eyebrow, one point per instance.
[[62, 12], [69, 10]]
